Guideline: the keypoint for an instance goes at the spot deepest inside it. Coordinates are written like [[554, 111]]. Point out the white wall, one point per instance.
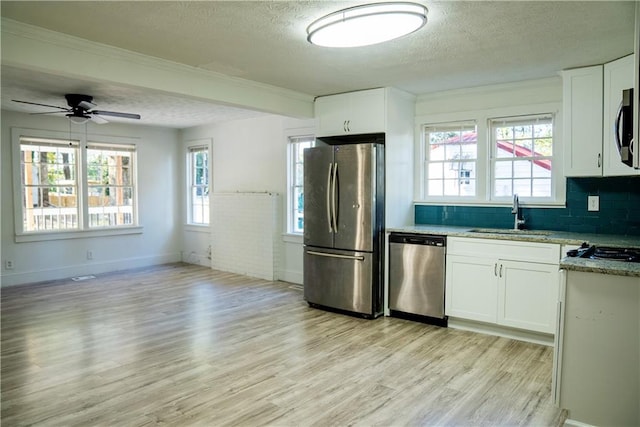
[[248, 156], [159, 187]]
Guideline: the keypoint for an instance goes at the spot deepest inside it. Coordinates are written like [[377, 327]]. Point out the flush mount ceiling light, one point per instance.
[[77, 119], [367, 24]]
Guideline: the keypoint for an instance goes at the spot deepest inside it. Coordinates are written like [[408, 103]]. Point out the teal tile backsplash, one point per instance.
[[619, 210]]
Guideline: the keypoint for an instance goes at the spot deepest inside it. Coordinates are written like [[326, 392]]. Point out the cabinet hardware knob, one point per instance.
[[599, 159]]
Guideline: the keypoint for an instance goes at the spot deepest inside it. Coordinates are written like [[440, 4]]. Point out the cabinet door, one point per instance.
[[582, 108], [351, 113], [618, 75], [528, 295], [332, 113], [471, 288], [368, 112]]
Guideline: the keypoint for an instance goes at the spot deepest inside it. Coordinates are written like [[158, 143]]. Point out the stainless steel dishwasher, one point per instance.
[[416, 276]]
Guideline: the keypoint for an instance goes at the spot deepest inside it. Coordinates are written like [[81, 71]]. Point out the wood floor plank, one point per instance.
[[185, 345]]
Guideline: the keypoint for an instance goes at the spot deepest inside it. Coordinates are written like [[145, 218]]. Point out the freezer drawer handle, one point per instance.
[[357, 257]]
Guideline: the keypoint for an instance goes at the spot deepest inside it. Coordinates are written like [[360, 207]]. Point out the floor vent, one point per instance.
[[81, 278]]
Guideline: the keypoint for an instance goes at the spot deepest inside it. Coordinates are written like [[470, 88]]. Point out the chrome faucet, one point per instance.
[[515, 209]]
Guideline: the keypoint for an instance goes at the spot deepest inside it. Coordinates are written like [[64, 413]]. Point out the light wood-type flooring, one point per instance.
[[185, 345]]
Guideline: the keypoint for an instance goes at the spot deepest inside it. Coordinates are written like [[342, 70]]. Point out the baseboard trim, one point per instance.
[[91, 267]]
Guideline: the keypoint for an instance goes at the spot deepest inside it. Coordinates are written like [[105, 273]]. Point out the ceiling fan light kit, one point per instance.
[[82, 109], [367, 24]]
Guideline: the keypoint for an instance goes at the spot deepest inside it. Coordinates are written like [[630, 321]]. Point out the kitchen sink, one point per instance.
[[511, 231]]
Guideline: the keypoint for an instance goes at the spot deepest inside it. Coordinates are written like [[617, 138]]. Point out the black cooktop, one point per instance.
[[606, 253]]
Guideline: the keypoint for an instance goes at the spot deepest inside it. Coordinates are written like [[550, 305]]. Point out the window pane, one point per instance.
[[452, 152], [542, 168], [435, 170], [49, 186], [447, 145], [522, 168], [435, 187], [502, 188], [529, 141], [503, 169], [522, 187], [543, 147], [541, 188], [436, 152], [110, 185], [295, 193]]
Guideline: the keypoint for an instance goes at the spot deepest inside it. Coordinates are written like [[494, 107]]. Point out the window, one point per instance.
[[451, 152], [67, 185], [295, 197], [110, 184], [198, 185], [522, 157], [49, 183], [489, 158]]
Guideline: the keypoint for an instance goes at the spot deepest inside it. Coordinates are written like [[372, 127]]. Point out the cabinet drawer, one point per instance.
[[546, 253]]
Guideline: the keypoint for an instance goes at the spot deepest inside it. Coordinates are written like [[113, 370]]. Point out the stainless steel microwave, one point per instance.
[[624, 129]]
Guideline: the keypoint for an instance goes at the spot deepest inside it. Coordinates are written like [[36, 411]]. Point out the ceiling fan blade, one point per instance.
[[42, 105], [116, 114], [48, 112], [86, 105], [99, 120]]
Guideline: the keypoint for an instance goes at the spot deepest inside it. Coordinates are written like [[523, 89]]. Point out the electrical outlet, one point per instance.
[[593, 203], [89, 255], [8, 265]]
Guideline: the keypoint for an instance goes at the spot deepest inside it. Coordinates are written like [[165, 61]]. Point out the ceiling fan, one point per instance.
[[81, 109]]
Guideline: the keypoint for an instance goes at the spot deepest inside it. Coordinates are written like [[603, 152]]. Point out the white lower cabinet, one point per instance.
[[519, 292], [471, 291], [527, 295]]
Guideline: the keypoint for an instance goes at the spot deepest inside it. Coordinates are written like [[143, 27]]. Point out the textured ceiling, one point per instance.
[[464, 44]]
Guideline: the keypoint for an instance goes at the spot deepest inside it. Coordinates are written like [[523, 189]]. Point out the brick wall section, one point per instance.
[[244, 233]]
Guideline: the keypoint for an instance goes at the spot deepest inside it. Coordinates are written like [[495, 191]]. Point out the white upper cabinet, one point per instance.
[[591, 98], [352, 113], [618, 76], [582, 111]]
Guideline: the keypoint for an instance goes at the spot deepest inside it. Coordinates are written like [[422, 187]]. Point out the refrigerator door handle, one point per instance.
[[328, 255], [334, 199], [329, 210]]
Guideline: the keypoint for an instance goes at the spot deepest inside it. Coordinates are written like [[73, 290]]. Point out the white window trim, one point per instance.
[[208, 143], [483, 188], [84, 231], [554, 175], [290, 236]]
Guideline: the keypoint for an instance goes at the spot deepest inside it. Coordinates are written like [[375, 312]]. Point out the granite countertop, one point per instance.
[[545, 236]]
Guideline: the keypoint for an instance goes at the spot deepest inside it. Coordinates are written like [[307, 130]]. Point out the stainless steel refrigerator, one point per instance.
[[344, 225]]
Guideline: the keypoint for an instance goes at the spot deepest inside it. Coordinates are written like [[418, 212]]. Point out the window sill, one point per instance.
[[79, 234], [197, 228], [292, 238], [485, 204]]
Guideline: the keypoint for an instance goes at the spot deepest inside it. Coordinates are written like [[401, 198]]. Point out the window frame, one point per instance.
[[425, 161], [293, 139], [102, 146], [192, 147], [483, 184], [494, 158], [83, 230]]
